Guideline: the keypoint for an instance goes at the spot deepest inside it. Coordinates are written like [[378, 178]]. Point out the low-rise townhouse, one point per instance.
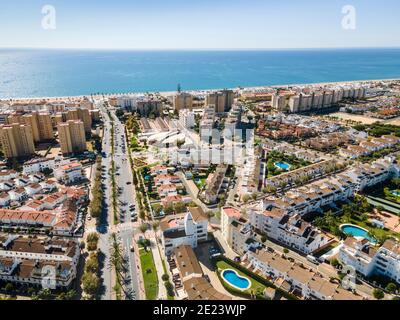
[[54, 200], [295, 278], [38, 261], [69, 173], [37, 177], [38, 165], [158, 170], [7, 175], [61, 221], [338, 187], [22, 181], [48, 185], [367, 147], [4, 199], [166, 190], [7, 185], [18, 194], [214, 183], [195, 285], [33, 188], [313, 171], [163, 179]]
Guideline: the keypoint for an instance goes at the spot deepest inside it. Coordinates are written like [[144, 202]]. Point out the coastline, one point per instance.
[[200, 91]]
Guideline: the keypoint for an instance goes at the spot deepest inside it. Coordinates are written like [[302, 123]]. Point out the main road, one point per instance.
[[124, 228]]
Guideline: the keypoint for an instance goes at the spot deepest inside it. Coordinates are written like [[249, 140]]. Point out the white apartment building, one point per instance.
[[37, 261], [184, 229], [295, 278], [237, 231], [290, 230], [341, 186], [323, 98], [368, 260], [69, 173], [187, 118], [38, 165]]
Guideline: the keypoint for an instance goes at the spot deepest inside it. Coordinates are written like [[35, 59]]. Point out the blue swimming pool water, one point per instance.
[[357, 232], [282, 165], [235, 280], [396, 193]]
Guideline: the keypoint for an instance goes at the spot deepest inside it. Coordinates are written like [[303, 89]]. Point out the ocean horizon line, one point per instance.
[[203, 49]]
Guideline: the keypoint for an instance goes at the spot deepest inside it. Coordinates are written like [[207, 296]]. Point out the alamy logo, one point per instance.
[[349, 19], [49, 17]]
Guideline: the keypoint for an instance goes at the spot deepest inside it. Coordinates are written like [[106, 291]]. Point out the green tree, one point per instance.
[[143, 228], [169, 209], [378, 294], [9, 287], [92, 264], [90, 283], [391, 287]]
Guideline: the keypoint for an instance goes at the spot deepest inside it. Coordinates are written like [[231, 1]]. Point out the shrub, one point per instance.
[[378, 294], [391, 287], [92, 264], [165, 277], [90, 283], [170, 288]]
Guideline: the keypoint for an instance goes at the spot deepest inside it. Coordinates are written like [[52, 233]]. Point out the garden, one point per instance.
[[149, 272], [258, 283], [286, 163], [255, 291], [357, 213]]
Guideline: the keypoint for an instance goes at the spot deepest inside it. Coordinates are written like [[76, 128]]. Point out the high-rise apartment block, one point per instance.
[[16, 140], [72, 136], [222, 100], [183, 100]]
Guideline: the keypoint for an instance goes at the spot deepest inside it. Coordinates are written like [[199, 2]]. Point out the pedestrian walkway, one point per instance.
[[141, 293], [162, 292]]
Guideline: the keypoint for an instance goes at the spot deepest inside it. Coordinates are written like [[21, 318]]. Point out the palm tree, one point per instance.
[[143, 228], [155, 225]]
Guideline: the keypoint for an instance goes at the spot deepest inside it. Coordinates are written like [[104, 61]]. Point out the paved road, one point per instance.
[[126, 200], [106, 219]]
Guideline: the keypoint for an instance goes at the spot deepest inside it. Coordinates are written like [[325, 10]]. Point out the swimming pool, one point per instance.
[[395, 193], [356, 231], [235, 280], [282, 165]]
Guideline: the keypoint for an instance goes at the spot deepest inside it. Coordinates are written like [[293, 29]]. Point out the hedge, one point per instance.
[[253, 275]]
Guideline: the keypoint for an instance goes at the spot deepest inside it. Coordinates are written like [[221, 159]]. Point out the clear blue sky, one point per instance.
[[220, 24]]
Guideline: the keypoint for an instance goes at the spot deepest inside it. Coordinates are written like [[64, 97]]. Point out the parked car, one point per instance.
[[312, 259]]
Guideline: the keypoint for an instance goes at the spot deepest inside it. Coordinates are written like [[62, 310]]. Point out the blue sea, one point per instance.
[[37, 73]]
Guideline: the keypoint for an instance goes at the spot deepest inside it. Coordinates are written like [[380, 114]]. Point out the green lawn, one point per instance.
[[256, 287], [275, 156], [200, 182], [149, 274]]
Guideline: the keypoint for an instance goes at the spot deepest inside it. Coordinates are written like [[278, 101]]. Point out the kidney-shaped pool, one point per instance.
[[235, 280]]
